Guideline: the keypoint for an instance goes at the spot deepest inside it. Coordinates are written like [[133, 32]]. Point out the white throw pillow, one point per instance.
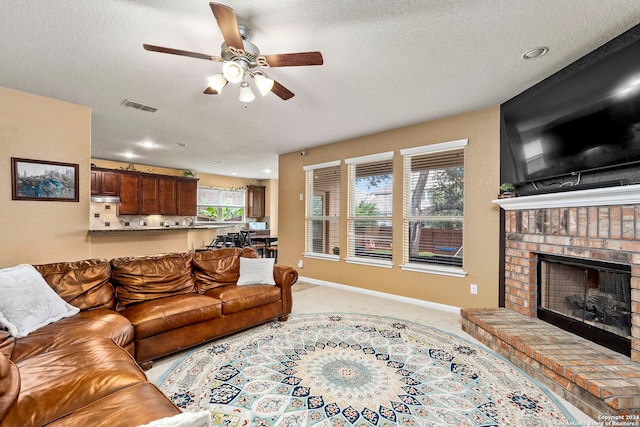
[[186, 419], [27, 302], [256, 271]]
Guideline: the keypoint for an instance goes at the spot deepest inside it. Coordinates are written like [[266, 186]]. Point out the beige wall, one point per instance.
[[35, 232], [481, 232], [40, 128]]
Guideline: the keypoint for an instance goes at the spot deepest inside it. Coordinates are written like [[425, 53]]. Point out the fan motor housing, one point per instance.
[[251, 53]]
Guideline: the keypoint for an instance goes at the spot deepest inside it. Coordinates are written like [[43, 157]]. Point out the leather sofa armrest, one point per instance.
[[284, 275]]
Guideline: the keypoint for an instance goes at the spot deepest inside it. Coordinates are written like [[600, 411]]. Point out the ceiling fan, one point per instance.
[[242, 59]]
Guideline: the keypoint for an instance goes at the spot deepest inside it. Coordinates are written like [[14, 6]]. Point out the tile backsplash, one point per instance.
[[104, 216]]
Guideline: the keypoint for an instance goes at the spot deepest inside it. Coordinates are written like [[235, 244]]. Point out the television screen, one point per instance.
[[584, 118]]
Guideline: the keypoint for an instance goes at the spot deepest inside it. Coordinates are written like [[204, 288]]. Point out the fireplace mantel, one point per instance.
[[622, 195]]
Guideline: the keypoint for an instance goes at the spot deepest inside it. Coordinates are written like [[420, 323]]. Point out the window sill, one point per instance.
[[434, 269], [326, 257], [369, 262]]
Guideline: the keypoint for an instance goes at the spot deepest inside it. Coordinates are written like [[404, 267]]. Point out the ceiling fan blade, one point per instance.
[[294, 59], [281, 91], [210, 91], [228, 24], [161, 49]]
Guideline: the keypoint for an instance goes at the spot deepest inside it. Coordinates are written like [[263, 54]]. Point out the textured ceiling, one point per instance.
[[387, 64]]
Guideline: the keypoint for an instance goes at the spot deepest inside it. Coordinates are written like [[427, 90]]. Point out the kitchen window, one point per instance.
[[221, 205]]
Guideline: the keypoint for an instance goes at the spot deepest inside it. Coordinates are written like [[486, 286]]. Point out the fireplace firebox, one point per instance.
[[587, 297]]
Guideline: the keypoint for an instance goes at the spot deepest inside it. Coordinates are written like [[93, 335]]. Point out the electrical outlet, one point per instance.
[[300, 263], [473, 289]]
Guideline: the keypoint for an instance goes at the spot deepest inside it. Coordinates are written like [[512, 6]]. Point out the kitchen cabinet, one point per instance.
[[167, 196], [149, 195], [255, 201], [146, 193], [187, 196], [105, 183], [129, 194]]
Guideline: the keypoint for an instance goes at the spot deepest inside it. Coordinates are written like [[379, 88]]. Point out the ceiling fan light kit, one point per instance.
[[246, 94], [233, 71], [242, 58], [263, 83], [217, 82]]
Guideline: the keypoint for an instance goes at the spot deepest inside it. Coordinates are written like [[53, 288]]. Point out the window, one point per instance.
[[323, 210], [434, 206], [220, 205], [369, 225]]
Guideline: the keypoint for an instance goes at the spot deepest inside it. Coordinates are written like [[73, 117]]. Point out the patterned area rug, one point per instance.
[[341, 370]]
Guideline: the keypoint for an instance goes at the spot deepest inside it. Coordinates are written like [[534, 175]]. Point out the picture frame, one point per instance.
[[43, 180]]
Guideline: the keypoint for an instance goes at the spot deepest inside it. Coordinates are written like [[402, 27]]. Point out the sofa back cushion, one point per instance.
[[150, 277], [9, 384], [219, 267], [83, 284]]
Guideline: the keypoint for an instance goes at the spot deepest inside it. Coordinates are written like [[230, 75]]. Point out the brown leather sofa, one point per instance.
[[82, 370]]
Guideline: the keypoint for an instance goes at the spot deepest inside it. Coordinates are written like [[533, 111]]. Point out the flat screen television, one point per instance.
[[583, 119]]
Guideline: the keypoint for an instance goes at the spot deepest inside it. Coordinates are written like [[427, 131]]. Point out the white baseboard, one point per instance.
[[415, 301]]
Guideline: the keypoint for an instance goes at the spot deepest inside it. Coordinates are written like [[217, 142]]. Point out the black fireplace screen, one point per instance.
[[589, 298]]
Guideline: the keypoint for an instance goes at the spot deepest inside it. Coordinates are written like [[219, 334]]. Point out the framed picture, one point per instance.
[[42, 180]]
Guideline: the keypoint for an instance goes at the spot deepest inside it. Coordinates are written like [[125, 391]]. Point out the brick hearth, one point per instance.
[[595, 379], [600, 224]]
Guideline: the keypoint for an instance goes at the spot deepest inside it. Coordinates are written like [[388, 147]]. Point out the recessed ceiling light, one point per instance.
[[267, 171], [129, 155], [148, 144], [536, 52]]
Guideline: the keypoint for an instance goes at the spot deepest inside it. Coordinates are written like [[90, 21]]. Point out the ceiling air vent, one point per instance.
[[139, 106]]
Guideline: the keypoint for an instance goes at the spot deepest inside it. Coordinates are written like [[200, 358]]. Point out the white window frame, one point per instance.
[[310, 191], [407, 154], [243, 205], [351, 208]]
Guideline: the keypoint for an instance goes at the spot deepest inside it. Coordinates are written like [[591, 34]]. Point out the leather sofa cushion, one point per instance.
[[162, 314], [62, 381], [149, 277], [83, 284], [133, 406], [84, 326], [237, 298], [219, 267], [9, 384]]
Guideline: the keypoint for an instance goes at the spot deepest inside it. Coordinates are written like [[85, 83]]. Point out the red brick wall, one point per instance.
[[607, 233]]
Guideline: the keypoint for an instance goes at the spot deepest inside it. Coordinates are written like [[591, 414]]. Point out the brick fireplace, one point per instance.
[[601, 225]]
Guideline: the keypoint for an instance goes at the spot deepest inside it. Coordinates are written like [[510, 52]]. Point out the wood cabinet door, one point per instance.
[[187, 196], [149, 198], [95, 182], [167, 196], [255, 201], [129, 194], [110, 183]]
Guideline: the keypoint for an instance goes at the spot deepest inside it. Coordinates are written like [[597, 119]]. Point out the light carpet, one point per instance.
[[339, 369]]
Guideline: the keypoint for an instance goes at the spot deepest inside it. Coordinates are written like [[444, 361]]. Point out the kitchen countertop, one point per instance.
[[159, 228]]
